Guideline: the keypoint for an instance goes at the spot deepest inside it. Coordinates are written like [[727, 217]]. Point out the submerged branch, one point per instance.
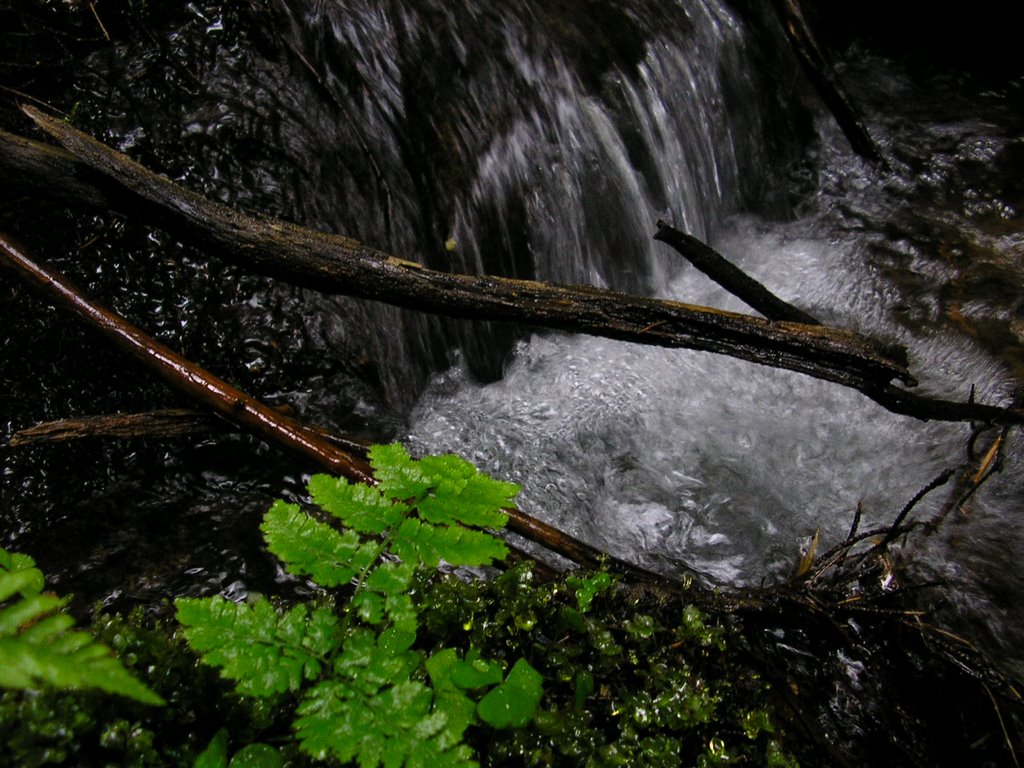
[[245, 411]]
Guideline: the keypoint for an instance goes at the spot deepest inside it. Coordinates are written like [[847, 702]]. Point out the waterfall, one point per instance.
[[528, 141], [543, 140]]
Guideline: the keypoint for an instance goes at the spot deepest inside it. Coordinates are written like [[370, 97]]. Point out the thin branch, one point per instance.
[[732, 278], [248, 413], [823, 77]]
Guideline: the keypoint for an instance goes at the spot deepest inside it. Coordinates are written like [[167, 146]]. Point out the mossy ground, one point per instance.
[[637, 677]]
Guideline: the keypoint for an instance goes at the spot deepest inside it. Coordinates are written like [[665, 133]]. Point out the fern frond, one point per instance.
[[447, 489], [37, 646], [311, 548], [417, 541], [360, 507], [263, 651], [400, 477], [393, 727], [90, 665], [462, 495], [371, 663]]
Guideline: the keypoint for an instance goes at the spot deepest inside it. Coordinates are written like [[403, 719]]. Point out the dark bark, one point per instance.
[[732, 278], [168, 423], [823, 77], [336, 264]]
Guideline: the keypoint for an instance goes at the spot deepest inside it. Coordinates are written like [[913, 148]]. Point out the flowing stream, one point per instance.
[[543, 141]]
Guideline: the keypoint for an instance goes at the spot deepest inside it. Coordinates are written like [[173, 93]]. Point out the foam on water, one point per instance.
[[682, 459]]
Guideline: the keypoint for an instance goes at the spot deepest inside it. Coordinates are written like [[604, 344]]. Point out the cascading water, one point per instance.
[[544, 140], [684, 460]]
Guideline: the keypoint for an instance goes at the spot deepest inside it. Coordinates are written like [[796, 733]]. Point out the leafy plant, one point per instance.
[[38, 647], [365, 693]]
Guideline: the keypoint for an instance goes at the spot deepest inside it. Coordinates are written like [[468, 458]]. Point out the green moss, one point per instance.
[[641, 679]]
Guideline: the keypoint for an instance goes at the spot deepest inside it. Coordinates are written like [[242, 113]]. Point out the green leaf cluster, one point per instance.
[[38, 646], [365, 693], [632, 675]]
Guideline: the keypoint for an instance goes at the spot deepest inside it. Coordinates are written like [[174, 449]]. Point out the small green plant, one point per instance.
[[364, 692], [38, 647]]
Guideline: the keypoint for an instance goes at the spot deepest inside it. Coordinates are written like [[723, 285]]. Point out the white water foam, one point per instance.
[[689, 460]]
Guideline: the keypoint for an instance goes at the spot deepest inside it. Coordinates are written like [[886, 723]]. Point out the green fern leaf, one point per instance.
[[37, 647], [390, 578], [91, 665], [416, 541], [461, 494], [26, 581], [382, 593], [360, 507], [263, 651], [400, 476], [311, 548], [22, 612], [372, 663], [368, 606], [446, 489], [392, 727]]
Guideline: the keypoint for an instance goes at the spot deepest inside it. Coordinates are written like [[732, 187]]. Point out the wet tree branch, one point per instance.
[[823, 77], [732, 278], [243, 410], [336, 264]]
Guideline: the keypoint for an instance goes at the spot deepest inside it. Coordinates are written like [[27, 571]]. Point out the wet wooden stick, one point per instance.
[[732, 278], [197, 384], [165, 423], [248, 413], [336, 264]]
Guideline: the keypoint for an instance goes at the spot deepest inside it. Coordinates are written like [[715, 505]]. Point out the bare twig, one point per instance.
[[732, 278]]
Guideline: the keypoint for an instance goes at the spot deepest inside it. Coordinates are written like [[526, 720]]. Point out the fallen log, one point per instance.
[[337, 264], [248, 413]]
